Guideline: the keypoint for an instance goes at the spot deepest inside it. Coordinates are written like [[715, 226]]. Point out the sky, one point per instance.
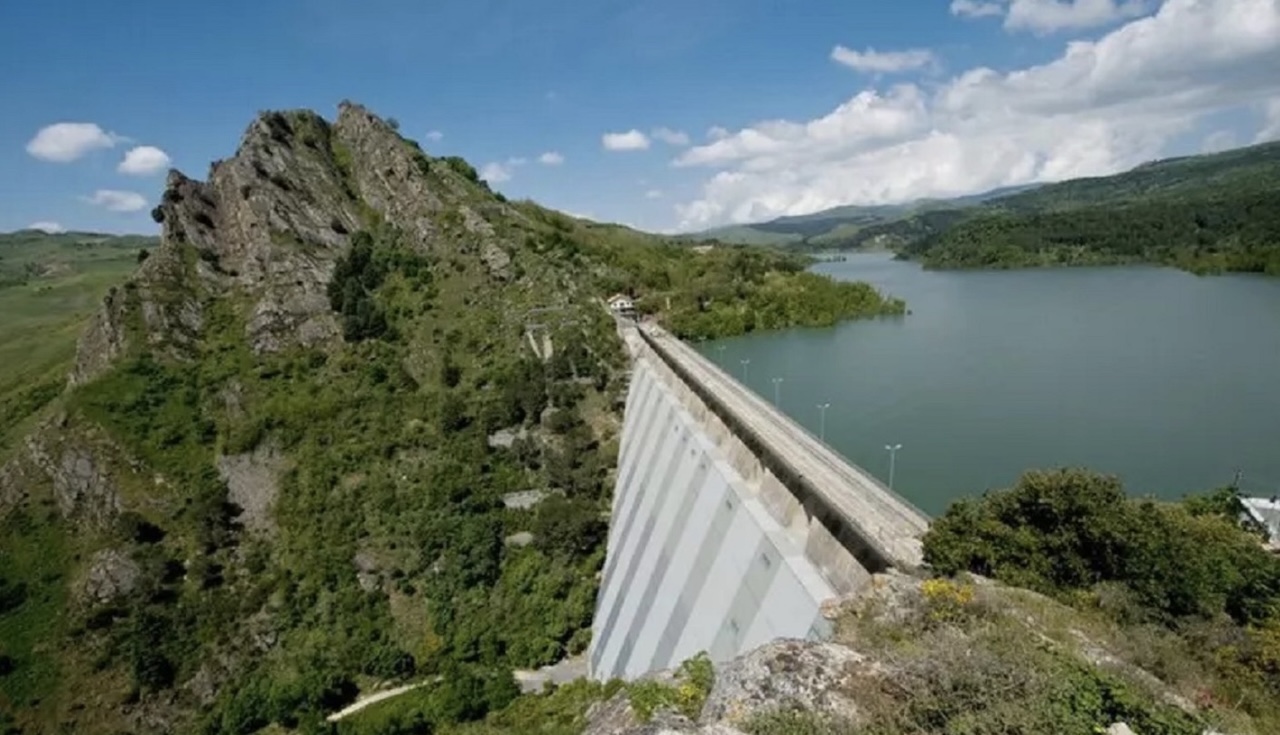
[[667, 115]]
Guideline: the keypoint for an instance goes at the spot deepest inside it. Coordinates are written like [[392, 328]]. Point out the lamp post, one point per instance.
[[746, 366], [777, 384], [720, 349], [822, 421], [893, 456]]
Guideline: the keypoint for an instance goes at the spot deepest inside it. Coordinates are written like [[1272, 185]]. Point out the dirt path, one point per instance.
[[374, 698]]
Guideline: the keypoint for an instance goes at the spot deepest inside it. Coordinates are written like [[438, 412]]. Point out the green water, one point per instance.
[[1169, 380]]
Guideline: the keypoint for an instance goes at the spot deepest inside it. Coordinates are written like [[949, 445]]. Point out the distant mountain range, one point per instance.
[[914, 229]]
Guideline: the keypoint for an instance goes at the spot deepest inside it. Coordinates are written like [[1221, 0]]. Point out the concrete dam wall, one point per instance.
[[731, 524]]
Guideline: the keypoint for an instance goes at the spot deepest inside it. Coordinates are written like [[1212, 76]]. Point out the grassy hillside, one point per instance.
[[49, 285], [279, 478]]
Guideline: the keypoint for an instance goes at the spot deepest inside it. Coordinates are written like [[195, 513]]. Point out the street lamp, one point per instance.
[[822, 421], [777, 383], [746, 366], [893, 456]]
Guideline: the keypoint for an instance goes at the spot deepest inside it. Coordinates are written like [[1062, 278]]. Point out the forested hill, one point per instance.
[[1209, 213], [274, 476]]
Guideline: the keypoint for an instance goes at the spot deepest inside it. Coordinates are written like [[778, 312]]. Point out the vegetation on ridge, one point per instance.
[[1184, 590], [244, 539]]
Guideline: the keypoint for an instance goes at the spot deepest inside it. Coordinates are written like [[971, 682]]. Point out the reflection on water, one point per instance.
[[1170, 380]]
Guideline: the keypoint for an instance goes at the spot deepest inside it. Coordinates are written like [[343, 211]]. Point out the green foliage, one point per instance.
[[717, 290], [382, 554], [1213, 232], [460, 166], [693, 682], [1191, 578], [460, 694], [798, 722], [12, 595], [1070, 529], [1206, 214]]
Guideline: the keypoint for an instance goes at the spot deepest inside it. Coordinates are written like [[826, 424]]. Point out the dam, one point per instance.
[[731, 524]]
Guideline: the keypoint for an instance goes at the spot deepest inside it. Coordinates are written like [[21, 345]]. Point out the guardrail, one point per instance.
[[861, 544]]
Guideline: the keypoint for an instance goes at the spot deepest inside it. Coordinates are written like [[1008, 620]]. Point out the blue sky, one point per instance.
[[818, 102]]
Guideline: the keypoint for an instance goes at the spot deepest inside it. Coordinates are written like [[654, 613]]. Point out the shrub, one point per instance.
[[1068, 530]]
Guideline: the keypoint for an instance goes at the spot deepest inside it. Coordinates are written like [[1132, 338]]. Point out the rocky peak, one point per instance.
[[268, 223]]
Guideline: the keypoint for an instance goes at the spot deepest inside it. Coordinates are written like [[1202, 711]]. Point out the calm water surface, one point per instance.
[[1169, 380]]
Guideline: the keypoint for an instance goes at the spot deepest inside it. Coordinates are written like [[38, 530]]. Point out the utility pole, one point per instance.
[[822, 421], [893, 456], [777, 383]]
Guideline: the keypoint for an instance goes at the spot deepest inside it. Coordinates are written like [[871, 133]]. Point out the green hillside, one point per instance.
[[49, 285], [276, 478], [1207, 214]]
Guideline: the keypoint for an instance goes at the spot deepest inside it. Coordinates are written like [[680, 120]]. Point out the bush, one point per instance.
[[1068, 530]]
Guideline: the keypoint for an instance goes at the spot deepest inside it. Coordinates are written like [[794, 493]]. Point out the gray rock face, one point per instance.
[[252, 483], [112, 574], [788, 673], [807, 675], [82, 489], [269, 223]]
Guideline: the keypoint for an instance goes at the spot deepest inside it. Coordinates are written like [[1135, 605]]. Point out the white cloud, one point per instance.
[[51, 228], [653, 194], [1100, 107], [1271, 122], [883, 62], [716, 132], [496, 173], [1218, 140], [117, 201], [144, 160], [435, 136], [671, 137], [1048, 16], [551, 158], [974, 9], [632, 140], [65, 142]]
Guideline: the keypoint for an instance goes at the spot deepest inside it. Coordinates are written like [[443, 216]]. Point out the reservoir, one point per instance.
[[1169, 380]]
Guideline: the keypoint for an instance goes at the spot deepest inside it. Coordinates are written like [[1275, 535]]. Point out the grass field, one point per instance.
[[49, 286]]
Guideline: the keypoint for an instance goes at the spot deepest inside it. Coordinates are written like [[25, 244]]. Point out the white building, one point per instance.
[[622, 305]]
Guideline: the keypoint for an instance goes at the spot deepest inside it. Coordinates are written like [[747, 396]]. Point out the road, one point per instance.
[[879, 515]]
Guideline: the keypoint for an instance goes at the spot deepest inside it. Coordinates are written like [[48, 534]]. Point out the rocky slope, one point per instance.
[[236, 513], [275, 477], [912, 657]]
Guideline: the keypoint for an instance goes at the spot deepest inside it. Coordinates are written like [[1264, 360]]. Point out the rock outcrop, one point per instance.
[[252, 480], [112, 574], [72, 461]]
